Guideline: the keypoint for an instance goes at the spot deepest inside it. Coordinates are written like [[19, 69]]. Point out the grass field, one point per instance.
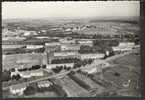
[[72, 88], [132, 60]]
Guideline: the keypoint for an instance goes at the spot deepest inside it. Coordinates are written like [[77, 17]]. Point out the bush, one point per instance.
[[44, 66]]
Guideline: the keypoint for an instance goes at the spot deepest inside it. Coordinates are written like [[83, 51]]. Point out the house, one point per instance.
[[92, 56], [44, 84], [14, 74], [17, 89]]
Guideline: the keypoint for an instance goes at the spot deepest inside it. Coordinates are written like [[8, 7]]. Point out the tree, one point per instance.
[[17, 77]]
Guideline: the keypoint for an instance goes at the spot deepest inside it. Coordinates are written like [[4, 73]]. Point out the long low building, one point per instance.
[[85, 42], [92, 56], [34, 46], [66, 54], [11, 47]]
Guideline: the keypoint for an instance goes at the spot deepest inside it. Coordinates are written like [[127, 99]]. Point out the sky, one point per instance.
[[70, 9]]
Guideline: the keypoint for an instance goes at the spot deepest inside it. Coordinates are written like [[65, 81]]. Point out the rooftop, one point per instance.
[[19, 86]]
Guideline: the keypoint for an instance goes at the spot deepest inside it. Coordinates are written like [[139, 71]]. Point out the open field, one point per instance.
[[16, 60]]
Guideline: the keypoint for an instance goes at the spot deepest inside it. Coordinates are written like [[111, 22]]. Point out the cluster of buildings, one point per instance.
[[19, 89], [64, 51]]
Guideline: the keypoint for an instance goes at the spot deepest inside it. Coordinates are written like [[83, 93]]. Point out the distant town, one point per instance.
[[70, 58]]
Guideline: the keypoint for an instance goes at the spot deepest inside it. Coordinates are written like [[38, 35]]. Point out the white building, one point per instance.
[[34, 46], [5, 47], [17, 89], [92, 56], [28, 33], [25, 74], [124, 46], [52, 44], [85, 42], [16, 72]]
